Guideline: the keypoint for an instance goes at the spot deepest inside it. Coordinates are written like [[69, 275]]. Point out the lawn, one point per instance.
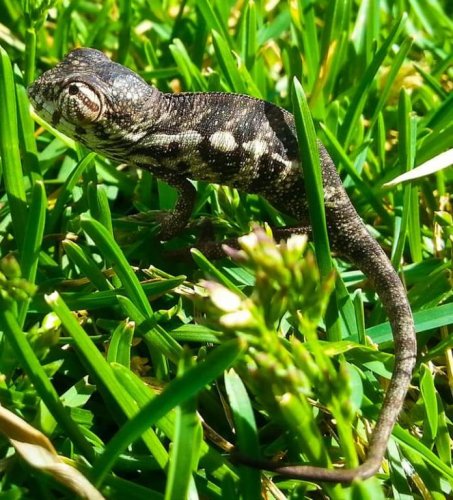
[[131, 366]]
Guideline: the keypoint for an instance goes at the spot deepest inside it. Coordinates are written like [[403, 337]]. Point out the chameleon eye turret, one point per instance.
[[80, 104]]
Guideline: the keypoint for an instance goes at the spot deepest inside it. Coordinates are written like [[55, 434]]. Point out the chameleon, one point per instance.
[[237, 141]]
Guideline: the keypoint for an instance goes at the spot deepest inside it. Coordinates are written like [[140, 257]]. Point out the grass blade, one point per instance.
[[246, 432], [34, 232], [112, 252], [406, 159], [211, 270], [158, 340], [177, 392], [309, 155], [358, 101], [66, 189], [428, 392], [249, 37], [212, 461], [120, 344], [425, 320], [304, 22], [186, 446], [102, 372], [9, 150], [213, 20], [32, 367], [89, 269], [228, 64]]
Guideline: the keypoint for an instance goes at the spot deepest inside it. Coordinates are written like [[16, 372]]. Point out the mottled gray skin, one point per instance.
[[240, 142]]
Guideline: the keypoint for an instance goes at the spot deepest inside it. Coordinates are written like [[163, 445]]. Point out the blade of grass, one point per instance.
[[249, 36], [213, 20], [187, 439], [360, 317], [443, 437], [193, 77], [66, 189], [99, 205], [309, 156], [34, 232], [390, 82], [304, 22], [425, 320], [90, 301], [435, 143], [399, 477], [213, 462], [366, 30], [246, 433], [211, 270], [36, 373], [9, 150], [102, 372], [156, 338], [121, 488], [439, 162], [30, 54], [372, 198], [175, 393], [428, 393], [90, 270], [110, 249], [124, 38], [346, 307], [228, 64], [195, 333], [407, 135], [425, 453], [26, 134], [120, 344], [356, 106], [432, 82], [414, 226]]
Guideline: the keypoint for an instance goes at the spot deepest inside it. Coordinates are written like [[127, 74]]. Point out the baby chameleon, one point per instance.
[[240, 142]]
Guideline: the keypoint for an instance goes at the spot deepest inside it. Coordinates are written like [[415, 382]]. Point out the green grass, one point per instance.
[[138, 379]]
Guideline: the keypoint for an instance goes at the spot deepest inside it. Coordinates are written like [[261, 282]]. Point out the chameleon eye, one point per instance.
[[73, 89], [80, 104]]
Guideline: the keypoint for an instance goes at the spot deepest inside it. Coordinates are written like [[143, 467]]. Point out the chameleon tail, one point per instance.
[[350, 238], [368, 256]]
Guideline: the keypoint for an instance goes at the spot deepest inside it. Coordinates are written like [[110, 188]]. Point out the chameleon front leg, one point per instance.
[[174, 221]]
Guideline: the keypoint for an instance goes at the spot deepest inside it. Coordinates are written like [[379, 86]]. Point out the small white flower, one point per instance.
[[222, 298], [297, 243], [248, 241], [237, 319]]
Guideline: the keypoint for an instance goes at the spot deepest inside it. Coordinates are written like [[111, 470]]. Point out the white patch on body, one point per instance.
[[223, 141], [331, 193], [134, 137], [188, 138], [280, 159], [257, 147]]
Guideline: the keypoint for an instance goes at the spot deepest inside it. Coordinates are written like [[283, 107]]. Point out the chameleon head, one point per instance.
[[92, 99]]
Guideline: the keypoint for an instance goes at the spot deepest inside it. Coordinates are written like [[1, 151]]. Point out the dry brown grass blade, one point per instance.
[[36, 449]]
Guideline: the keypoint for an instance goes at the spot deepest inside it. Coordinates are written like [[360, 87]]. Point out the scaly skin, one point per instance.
[[240, 142]]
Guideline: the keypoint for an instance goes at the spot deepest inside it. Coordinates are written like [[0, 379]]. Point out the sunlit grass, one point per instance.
[[378, 79]]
